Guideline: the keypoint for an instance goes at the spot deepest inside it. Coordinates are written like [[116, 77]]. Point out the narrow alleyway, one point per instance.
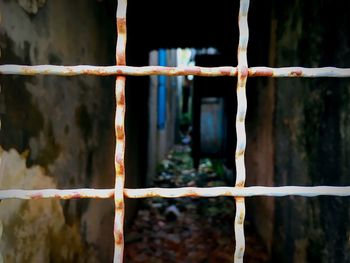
[[188, 229]]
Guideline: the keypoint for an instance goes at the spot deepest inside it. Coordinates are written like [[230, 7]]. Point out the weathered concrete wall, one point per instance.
[[312, 131], [36, 230], [67, 124], [298, 129], [260, 120]]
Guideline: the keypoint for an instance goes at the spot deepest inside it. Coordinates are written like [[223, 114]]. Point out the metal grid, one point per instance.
[[239, 192]]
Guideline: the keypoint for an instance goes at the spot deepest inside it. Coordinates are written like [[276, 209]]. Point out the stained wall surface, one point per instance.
[[64, 125]]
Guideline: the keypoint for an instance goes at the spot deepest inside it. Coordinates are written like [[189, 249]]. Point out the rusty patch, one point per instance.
[[243, 72], [121, 25], [75, 196], [27, 71], [120, 52], [225, 71], [37, 196], [120, 133], [261, 72], [120, 169], [296, 73], [119, 205], [192, 193], [239, 199], [239, 153], [240, 184], [193, 70], [119, 239], [241, 217]]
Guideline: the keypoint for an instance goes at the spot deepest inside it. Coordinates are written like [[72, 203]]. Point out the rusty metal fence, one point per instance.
[[121, 70]]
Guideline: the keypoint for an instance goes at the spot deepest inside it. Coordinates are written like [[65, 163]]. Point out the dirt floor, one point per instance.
[[188, 229]]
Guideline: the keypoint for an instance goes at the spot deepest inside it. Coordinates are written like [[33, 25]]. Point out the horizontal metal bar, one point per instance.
[[179, 192], [299, 72], [172, 71], [56, 193], [117, 70], [238, 191]]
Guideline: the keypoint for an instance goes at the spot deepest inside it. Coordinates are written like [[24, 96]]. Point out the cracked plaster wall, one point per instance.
[[65, 125]]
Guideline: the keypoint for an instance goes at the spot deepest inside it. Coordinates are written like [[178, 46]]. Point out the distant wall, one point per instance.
[[161, 139]]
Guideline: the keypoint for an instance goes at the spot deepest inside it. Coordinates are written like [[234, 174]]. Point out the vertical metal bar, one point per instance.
[[120, 135], [240, 126]]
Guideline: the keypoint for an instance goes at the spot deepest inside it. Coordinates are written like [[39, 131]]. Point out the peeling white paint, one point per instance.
[[35, 231]]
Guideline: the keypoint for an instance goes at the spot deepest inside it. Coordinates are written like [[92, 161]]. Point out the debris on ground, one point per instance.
[[189, 229]]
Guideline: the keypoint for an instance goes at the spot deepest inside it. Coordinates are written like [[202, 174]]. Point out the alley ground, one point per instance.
[[193, 230]]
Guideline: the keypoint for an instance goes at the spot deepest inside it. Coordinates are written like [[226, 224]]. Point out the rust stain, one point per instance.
[[27, 71], [239, 153], [240, 184], [239, 199], [243, 72], [121, 99], [226, 71], [193, 70], [75, 196], [120, 168], [296, 73], [121, 29], [192, 193], [97, 72], [119, 205], [241, 217], [37, 196], [260, 72], [121, 25], [119, 239], [120, 133], [227, 193]]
